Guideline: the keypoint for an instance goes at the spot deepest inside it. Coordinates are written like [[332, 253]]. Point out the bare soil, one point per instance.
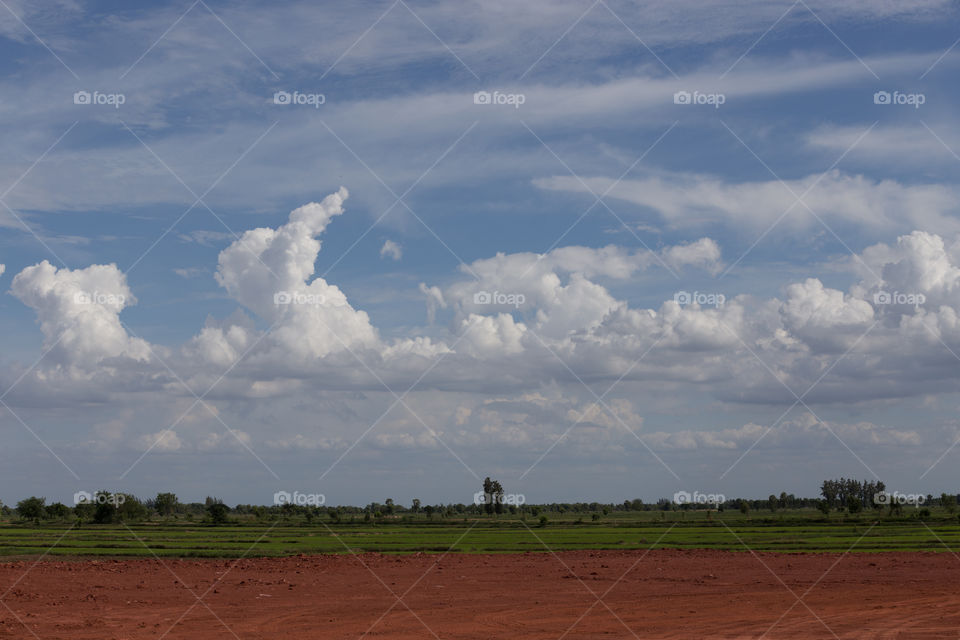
[[605, 594]]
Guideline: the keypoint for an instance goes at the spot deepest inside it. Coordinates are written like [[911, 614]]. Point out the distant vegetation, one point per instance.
[[843, 496]]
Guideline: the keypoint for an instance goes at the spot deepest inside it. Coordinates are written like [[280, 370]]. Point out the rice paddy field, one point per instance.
[[474, 536]]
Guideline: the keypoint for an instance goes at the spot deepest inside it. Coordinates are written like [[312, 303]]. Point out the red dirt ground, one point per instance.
[[663, 594]]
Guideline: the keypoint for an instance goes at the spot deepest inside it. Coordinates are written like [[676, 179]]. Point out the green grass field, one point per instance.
[[804, 533]]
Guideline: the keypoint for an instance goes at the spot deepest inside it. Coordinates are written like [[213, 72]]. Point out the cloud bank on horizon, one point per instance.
[[645, 255]]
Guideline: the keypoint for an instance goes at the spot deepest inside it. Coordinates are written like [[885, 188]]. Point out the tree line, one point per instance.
[[105, 507]]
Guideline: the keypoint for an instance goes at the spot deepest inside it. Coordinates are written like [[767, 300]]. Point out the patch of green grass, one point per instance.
[[476, 536]]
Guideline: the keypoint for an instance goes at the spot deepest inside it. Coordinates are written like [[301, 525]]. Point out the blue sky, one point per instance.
[[148, 353]]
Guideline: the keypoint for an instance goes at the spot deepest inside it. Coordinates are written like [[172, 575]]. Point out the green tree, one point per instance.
[[772, 503], [129, 508], [949, 502], [105, 511], [389, 506], [492, 496], [166, 504], [488, 495], [415, 507], [217, 511], [57, 511], [853, 504], [31, 508]]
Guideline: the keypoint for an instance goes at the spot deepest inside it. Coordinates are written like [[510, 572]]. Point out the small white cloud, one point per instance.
[[391, 249], [207, 238], [162, 441], [189, 272], [435, 300]]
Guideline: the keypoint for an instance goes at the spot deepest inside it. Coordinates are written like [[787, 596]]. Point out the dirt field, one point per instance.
[[665, 594]]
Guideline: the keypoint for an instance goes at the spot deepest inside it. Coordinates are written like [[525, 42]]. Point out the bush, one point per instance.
[[31, 508], [217, 512], [544, 520]]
